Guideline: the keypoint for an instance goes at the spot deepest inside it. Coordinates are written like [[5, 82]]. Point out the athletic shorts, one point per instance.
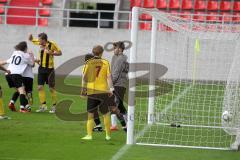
[[28, 84], [46, 75], [100, 102], [14, 80]]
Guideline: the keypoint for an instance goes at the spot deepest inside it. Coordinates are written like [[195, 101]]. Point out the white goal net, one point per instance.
[[194, 80]]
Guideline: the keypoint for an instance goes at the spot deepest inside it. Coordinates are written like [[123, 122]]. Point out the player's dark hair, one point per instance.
[[43, 36], [88, 56], [97, 50], [119, 44], [21, 46]]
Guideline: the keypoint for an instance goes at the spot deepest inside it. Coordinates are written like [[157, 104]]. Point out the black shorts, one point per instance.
[[0, 92], [46, 75], [28, 84], [14, 80], [100, 102]]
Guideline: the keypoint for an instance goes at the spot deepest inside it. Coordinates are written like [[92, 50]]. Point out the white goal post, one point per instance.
[[184, 107]]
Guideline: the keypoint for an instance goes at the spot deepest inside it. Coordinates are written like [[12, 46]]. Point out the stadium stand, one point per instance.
[[18, 8], [200, 5], [187, 5], [236, 6], [161, 4], [3, 1], [1, 8], [22, 12], [45, 11], [174, 4], [148, 4], [225, 6], [47, 2], [214, 11]]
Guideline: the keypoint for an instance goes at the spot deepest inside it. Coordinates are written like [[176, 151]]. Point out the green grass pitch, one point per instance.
[[43, 136]]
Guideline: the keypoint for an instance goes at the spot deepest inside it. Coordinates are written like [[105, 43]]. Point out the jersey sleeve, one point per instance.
[[55, 47], [35, 41]]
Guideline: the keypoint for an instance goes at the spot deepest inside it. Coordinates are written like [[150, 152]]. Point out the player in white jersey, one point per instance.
[[28, 77], [18, 62]]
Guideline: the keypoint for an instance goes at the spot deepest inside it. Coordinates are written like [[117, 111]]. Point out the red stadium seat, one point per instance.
[[236, 17], [1, 8], [212, 5], [3, 1], [161, 4], [226, 17], [135, 3], [187, 4], [212, 27], [43, 22], [236, 6], [200, 5], [145, 17], [148, 4], [174, 4], [145, 26], [212, 17], [162, 27], [47, 2], [199, 16], [186, 14], [225, 6], [45, 11]]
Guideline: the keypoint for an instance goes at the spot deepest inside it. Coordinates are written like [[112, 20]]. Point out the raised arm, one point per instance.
[[33, 40]]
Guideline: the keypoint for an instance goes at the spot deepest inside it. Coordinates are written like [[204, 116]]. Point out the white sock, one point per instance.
[[12, 101], [22, 107], [114, 120]]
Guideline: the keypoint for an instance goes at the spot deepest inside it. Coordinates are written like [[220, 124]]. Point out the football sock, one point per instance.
[[121, 119], [1, 107], [54, 96], [114, 120], [14, 97], [23, 100], [107, 123], [97, 119], [90, 124], [42, 96]]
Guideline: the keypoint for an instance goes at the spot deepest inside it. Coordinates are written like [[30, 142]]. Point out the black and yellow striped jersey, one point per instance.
[[46, 60]]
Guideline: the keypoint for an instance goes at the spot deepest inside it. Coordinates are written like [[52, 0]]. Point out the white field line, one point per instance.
[[126, 147]]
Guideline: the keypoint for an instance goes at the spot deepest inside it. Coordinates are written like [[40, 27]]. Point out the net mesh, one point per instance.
[[200, 83]]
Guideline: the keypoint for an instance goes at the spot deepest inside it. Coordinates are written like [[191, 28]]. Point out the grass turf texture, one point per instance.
[[42, 136]]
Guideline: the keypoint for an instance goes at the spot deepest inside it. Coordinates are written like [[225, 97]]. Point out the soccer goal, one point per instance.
[[191, 97]]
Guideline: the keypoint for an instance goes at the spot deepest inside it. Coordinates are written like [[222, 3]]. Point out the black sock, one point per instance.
[[121, 119], [15, 96], [23, 100], [97, 119]]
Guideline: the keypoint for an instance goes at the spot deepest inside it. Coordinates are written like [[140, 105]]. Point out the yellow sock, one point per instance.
[[90, 124], [54, 96], [42, 96], [107, 123], [1, 107]]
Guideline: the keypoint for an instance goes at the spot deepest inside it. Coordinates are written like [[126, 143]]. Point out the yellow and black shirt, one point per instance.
[[46, 60]]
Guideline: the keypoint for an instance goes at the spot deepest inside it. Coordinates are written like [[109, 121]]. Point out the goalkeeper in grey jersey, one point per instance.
[[119, 67]]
